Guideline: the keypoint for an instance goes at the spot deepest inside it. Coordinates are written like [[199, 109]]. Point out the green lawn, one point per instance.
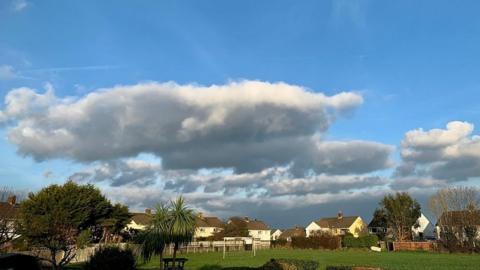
[[386, 260]]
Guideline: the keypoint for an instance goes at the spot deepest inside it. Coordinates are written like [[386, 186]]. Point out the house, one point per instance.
[[140, 221], [293, 232], [337, 225], [8, 214], [275, 234], [458, 221], [425, 229], [378, 227], [256, 228], [207, 226]]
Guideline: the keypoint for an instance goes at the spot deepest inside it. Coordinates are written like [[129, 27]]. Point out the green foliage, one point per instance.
[[53, 217], [171, 225], [401, 212], [121, 217], [235, 230], [320, 241], [154, 239], [182, 222], [111, 258], [84, 238], [360, 242]]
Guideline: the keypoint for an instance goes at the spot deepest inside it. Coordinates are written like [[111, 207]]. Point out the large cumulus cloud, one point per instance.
[[247, 126]]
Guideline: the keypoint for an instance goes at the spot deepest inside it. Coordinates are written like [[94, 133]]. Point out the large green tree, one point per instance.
[[401, 212], [53, 218]]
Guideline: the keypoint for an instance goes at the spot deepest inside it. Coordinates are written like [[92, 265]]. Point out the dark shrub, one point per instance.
[[360, 242], [111, 258], [279, 243], [338, 268], [240, 268], [320, 241], [289, 264]]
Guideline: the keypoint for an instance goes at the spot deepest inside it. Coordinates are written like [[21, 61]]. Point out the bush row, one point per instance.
[[321, 241], [360, 242]]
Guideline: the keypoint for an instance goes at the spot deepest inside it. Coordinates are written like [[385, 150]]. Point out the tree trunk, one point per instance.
[[175, 248], [53, 257]]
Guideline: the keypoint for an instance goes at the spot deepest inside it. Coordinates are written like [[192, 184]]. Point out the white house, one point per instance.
[[275, 234], [256, 228], [207, 226], [425, 230]]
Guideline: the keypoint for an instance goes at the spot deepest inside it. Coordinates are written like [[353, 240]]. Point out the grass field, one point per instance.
[[386, 260]]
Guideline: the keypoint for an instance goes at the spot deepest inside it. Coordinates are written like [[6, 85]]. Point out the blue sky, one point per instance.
[[415, 64]]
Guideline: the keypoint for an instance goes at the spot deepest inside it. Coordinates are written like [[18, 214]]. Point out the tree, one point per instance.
[[154, 239], [401, 214], [182, 225], [118, 218], [458, 214], [54, 217], [380, 221]]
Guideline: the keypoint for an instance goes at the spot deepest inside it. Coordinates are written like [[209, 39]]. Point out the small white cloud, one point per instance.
[[19, 5], [7, 72]]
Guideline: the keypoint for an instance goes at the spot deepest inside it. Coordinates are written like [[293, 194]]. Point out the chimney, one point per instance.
[[12, 200], [200, 215], [246, 219], [340, 215], [148, 211]]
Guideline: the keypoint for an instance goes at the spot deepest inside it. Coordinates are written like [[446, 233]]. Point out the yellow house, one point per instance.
[[337, 226], [207, 226], [140, 221]]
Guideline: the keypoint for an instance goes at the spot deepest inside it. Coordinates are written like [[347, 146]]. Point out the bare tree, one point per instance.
[[458, 214]]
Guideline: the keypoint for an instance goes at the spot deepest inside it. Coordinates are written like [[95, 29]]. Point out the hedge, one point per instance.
[[360, 242], [322, 241]]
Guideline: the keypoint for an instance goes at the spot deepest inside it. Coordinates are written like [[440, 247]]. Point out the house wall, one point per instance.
[[275, 235], [426, 228], [201, 232], [263, 235], [312, 228], [358, 227], [135, 226]]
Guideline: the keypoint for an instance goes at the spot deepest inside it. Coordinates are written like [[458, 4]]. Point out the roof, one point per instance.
[[294, 232], [208, 222], [375, 223], [335, 222], [460, 217], [8, 210], [251, 224], [142, 218]]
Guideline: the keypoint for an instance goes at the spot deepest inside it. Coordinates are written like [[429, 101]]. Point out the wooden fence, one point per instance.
[[398, 246]]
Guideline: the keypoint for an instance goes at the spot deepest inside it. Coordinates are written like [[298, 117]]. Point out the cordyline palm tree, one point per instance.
[[182, 225], [157, 236]]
